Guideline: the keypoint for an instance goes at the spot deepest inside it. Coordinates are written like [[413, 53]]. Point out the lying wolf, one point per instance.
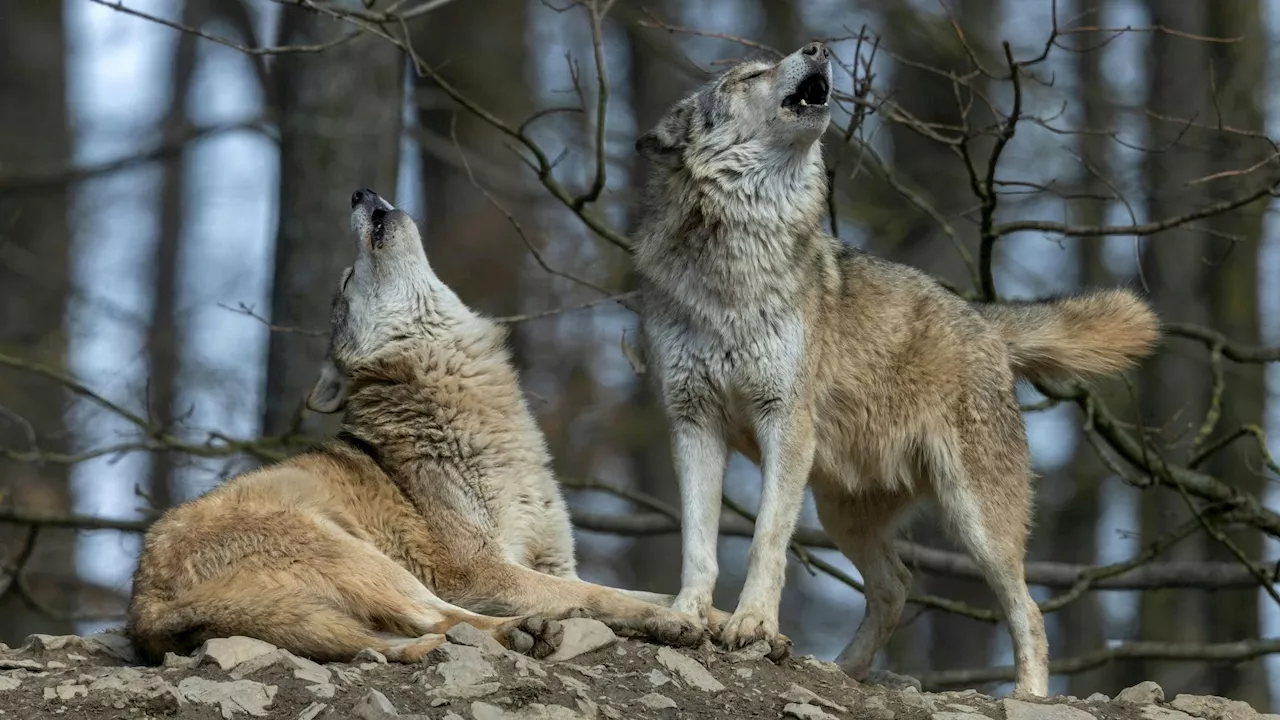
[[435, 505], [825, 365]]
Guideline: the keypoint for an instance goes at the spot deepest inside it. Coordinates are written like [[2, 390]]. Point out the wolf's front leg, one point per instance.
[[786, 441], [701, 453]]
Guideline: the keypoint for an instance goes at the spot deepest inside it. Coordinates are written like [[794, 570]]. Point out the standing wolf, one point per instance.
[[863, 377], [436, 501]]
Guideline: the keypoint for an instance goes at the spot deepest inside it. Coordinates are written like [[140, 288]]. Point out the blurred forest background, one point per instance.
[[174, 184]]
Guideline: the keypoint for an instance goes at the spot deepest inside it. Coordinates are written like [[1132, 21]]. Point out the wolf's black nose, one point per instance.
[[361, 195], [816, 49]]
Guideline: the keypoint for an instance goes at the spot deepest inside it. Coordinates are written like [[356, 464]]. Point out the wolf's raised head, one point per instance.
[[389, 298], [758, 112]]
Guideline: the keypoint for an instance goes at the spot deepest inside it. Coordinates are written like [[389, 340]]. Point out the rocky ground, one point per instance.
[[593, 675]]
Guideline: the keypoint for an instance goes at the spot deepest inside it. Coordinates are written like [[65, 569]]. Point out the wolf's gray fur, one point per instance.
[[825, 365]]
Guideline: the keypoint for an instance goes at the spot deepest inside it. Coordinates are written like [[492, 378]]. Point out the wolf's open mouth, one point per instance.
[[811, 92]]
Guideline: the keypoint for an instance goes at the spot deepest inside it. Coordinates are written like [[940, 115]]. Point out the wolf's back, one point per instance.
[[1096, 333]]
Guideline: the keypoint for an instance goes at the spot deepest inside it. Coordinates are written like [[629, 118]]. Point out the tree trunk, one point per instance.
[[163, 337], [1175, 385], [34, 286], [340, 115]]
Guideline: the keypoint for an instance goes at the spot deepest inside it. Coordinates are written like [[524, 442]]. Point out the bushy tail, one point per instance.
[[1096, 333]]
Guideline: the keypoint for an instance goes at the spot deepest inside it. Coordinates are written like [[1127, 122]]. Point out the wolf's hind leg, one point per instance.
[[986, 496], [862, 526]]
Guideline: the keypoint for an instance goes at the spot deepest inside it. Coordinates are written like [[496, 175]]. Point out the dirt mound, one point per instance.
[[594, 675]]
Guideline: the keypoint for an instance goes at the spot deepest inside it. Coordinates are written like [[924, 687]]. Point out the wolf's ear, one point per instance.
[[671, 133], [330, 392]]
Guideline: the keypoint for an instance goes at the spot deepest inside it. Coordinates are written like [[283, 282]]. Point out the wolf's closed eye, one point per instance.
[[752, 76]]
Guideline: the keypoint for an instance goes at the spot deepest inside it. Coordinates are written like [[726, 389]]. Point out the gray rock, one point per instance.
[[453, 716], [1212, 707], [654, 701], [1144, 693], [373, 705], [823, 665], [230, 652], [799, 694], [179, 662], [485, 711], [369, 655], [312, 711], [460, 665], [464, 692], [573, 685], [611, 712], [688, 670], [804, 711], [657, 678], [306, 670], [1098, 697], [953, 715], [69, 691], [322, 690], [259, 663], [581, 636], [130, 681], [1022, 710], [11, 664], [751, 653], [469, 635], [236, 696], [9, 683], [876, 707], [1155, 712]]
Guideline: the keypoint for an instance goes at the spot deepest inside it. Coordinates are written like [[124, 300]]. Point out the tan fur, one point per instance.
[[435, 505], [1095, 334], [826, 366]]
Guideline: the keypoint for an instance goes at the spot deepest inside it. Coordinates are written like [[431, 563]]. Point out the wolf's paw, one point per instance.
[[412, 650], [888, 679], [717, 620], [674, 628], [748, 626], [535, 635]]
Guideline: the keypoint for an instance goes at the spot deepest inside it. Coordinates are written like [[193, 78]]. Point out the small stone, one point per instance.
[[460, 665], [804, 711], [581, 636], [1212, 707], [55, 665], [654, 701], [1098, 697], [373, 705], [1144, 693], [689, 670], [348, 676], [962, 708], [611, 712], [312, 711], [307, 670], [66, 692], [744, 672], [50, 693], [322, 690], [8, 664], [236, 696], [755, 651], [799, 694], [181, 662], [877, 708], [1155, 712], [453, 716], [485, 711], [595, 672], [9, 683], [466, 634], [657, 678], [823, 665], [445, 693], [573, 685], [369, 655], [1021, 710], [588, 707], [949, 715], [527, 667], [230, 652]]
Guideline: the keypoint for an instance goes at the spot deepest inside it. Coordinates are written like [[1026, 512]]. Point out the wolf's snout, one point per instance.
[[816, 50], [362, 195]]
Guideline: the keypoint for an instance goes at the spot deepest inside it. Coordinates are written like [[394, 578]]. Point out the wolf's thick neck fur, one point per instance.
[[446, 416], [718, 224]]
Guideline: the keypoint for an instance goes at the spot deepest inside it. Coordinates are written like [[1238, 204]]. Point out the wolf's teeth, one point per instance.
[[803, 103]]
